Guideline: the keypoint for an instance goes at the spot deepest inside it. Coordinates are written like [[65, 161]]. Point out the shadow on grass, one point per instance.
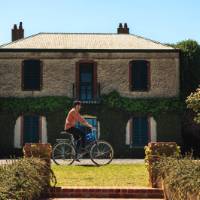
[[87, 165]]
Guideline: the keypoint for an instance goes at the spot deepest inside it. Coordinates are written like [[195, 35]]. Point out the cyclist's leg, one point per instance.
[[81, 135], [78, 134]]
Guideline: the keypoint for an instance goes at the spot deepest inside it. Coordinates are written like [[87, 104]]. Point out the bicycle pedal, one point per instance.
[[79, 156]]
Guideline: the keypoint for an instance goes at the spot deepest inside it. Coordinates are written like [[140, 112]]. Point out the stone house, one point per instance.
[[86, 66]]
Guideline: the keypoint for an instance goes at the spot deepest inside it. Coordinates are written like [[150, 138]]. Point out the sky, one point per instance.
[[167, 21]]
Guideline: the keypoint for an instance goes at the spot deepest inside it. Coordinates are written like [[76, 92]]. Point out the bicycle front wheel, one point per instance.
[[101, 153], [63, 154]]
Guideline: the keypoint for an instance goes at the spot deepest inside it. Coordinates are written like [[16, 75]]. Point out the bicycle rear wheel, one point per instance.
[[101, 153], [63, 154]]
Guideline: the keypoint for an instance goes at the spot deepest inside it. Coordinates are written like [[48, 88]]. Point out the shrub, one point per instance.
[[23, 179], [153, 152], [181, 177], [193, 102]]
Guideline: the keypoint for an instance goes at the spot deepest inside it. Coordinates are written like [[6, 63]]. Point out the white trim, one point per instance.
[[153, 129], [98, 130], [18, 130], [17, 133], [128, 132], [43, 129]]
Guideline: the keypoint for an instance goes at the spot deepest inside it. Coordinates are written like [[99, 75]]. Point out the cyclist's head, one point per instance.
[[77, 104]]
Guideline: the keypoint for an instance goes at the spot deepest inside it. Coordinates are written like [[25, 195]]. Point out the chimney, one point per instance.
[[17, 33], [123, 30]]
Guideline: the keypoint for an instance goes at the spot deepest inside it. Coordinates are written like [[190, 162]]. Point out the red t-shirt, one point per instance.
[[73, 117]]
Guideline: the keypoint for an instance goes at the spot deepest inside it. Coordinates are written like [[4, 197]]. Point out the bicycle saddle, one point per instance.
[[66, 134]]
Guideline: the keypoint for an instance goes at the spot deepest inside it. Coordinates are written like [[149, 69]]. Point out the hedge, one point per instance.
[[153, 153], [23, 179], [181, 177]]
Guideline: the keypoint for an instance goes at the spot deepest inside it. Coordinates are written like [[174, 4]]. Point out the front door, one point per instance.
[[86, 81], [31, 129]]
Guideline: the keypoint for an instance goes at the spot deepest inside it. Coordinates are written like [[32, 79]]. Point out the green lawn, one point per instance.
[[109, 175]]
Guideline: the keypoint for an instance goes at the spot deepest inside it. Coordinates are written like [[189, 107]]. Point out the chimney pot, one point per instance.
[[17, 33], [120, 25], [126, 29], [20, 25]]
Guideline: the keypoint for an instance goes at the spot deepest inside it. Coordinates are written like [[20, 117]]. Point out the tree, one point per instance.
[[193, 102], [190, 66]]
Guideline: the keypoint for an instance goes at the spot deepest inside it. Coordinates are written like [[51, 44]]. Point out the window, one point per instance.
[[30, 129], [140, 131], [31, 75], [139, 75], [86, 80]]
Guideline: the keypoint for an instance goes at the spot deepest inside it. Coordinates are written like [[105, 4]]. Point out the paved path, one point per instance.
[[114, 161], [89, 162]]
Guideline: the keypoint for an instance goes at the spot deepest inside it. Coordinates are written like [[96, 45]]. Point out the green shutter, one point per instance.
[[140, 131], [139, 75], [31, 75], [31, 129]]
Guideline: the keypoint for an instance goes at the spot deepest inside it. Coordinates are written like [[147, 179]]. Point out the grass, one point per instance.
[[131, 175]]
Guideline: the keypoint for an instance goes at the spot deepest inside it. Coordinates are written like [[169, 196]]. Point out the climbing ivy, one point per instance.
[[152, 106], [113, 100], [34, 105]]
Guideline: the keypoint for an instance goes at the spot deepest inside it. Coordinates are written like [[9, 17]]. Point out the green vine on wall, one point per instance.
[[112, 100], [34, 105], [152, 106]]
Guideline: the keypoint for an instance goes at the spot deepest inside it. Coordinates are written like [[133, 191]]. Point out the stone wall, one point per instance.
[[112, 72]]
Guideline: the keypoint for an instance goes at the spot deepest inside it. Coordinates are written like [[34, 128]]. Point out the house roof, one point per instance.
[[96, 41]]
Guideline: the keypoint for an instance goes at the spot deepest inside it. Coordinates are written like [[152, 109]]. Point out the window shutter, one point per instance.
[[140, 131], [95, 80], [32, 75], [22, 78], [139, 75], [148, 76], [77, 84], [41, 75], [130, 77], [31, 129]]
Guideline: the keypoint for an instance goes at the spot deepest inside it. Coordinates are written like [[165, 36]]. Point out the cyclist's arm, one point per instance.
[[83, 121]]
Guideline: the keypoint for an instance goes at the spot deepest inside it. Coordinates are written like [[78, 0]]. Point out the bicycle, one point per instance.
[[65, 151]]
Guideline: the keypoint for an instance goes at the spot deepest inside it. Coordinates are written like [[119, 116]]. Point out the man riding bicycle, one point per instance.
[[72, 118], [66, 151]]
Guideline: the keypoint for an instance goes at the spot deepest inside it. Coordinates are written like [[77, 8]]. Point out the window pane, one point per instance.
[[86, 81], [92, 121], [32, 74]]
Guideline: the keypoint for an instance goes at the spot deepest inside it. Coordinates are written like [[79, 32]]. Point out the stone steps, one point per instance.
[[97, 199], [137, 193]]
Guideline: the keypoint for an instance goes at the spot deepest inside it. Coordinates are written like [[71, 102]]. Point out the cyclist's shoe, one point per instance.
[[77, 160], [78, 156]]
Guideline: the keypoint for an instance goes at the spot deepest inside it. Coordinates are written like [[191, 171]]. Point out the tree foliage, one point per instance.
[[193, 102], [190, 66]]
